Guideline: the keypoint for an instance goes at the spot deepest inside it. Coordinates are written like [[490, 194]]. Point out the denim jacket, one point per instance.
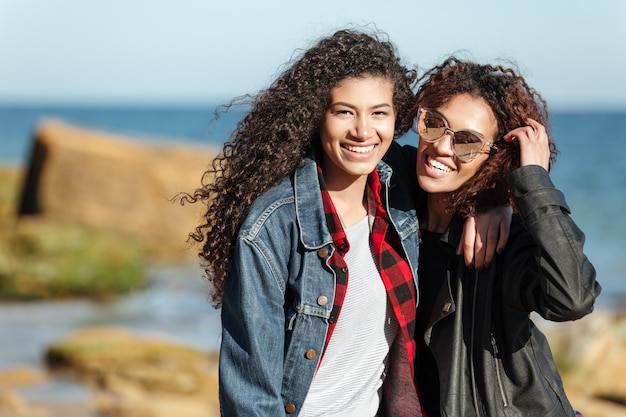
[[279, 293]]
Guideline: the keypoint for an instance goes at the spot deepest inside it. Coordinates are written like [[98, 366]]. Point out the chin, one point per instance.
[[434, 185]]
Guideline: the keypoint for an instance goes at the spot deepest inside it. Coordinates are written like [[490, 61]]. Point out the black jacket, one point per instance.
[[492, 360]]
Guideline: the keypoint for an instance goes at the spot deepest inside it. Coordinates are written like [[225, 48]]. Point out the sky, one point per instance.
[[199, 51]]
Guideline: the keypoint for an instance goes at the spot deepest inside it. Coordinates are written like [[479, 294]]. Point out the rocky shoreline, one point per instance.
[[124, 373], [104, 181], [130, 375]]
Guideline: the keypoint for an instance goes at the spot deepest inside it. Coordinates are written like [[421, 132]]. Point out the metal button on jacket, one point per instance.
[[290, 408], [322, 300], [322, 253], [310, 354]]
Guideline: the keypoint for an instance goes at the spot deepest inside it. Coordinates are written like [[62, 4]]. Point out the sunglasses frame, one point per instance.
[[447, 130]]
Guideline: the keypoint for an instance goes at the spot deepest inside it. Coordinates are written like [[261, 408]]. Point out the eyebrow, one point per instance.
[[352, 106]]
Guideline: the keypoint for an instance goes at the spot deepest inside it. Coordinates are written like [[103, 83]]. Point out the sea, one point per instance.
[[590, 170]]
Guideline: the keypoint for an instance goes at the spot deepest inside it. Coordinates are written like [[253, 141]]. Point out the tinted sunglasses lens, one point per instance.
[[466, 144], [430, 126]]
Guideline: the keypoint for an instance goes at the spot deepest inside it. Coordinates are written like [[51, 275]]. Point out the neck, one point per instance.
[[437, 218], [349, 201]]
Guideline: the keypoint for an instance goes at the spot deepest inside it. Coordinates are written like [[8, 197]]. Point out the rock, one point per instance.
[[11, 403], [143, 404], [135, 375], [591, 356], [109, 181], [602, 367], [21, 376]]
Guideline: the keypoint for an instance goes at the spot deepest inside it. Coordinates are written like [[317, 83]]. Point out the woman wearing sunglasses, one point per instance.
[[483, 141], [311, 243]]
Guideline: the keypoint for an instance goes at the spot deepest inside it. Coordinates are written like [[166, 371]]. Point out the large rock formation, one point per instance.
[[136, 376], [109, 181]]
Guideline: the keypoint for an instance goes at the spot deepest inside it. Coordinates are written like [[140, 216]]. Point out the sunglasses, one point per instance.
[[432, 126]]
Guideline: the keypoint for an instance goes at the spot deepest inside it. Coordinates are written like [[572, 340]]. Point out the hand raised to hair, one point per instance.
[[533, 142]]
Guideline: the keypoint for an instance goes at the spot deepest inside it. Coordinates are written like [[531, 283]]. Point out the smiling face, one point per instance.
[[357, 128], [438, 169]]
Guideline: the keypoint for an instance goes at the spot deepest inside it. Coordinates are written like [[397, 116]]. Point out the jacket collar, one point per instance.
[[308, 201], [452, 236]]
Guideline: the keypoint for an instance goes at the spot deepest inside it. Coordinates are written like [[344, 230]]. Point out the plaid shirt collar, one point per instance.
[[389, 256]]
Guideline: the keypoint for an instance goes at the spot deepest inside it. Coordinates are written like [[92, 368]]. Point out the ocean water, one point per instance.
[[591, 167]]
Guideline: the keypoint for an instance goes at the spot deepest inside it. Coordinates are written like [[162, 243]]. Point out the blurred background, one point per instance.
[[139, 81]]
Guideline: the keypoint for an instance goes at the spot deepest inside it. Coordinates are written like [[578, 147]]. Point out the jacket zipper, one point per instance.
[[498, 370], [471, 355]]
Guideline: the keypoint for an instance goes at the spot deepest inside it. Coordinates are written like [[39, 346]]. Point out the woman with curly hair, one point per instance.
[[299, 197], [484, 141], [299, 204]]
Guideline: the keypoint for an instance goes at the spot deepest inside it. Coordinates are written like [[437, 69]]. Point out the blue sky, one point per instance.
[[184, 51]]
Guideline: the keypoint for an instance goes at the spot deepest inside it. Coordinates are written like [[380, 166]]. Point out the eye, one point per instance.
[[433, 121], [380, 114], [343, 113], [466, 137]]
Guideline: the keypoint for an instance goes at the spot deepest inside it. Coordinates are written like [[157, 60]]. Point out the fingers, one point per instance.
[[490, 247], [484, 235], [478, 241], [534, 143], [505, 228], [532, 131], [468, 241], [486, 241], [537, 127], [497, 222]]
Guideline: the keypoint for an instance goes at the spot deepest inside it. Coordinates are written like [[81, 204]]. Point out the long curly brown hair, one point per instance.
[[512, 101], [280, 130]]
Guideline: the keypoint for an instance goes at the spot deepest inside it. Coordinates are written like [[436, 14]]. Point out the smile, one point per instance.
[[438, 165], [359, 149]]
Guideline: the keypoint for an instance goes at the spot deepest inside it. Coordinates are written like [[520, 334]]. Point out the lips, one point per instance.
[[359, 149], [438, 165]]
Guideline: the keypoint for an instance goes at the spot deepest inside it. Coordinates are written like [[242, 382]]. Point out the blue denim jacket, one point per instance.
[[279, 293]]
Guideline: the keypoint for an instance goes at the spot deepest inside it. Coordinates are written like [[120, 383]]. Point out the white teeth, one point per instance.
[[439, 165], [359, 149]]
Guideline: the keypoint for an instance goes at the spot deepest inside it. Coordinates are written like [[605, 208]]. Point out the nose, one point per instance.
[[362, 128], [444, 144]]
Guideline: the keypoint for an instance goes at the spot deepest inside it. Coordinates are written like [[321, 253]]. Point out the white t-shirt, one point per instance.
[[349, 379]]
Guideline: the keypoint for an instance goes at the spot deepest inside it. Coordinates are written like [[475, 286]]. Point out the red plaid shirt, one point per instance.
[[393, 267]]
